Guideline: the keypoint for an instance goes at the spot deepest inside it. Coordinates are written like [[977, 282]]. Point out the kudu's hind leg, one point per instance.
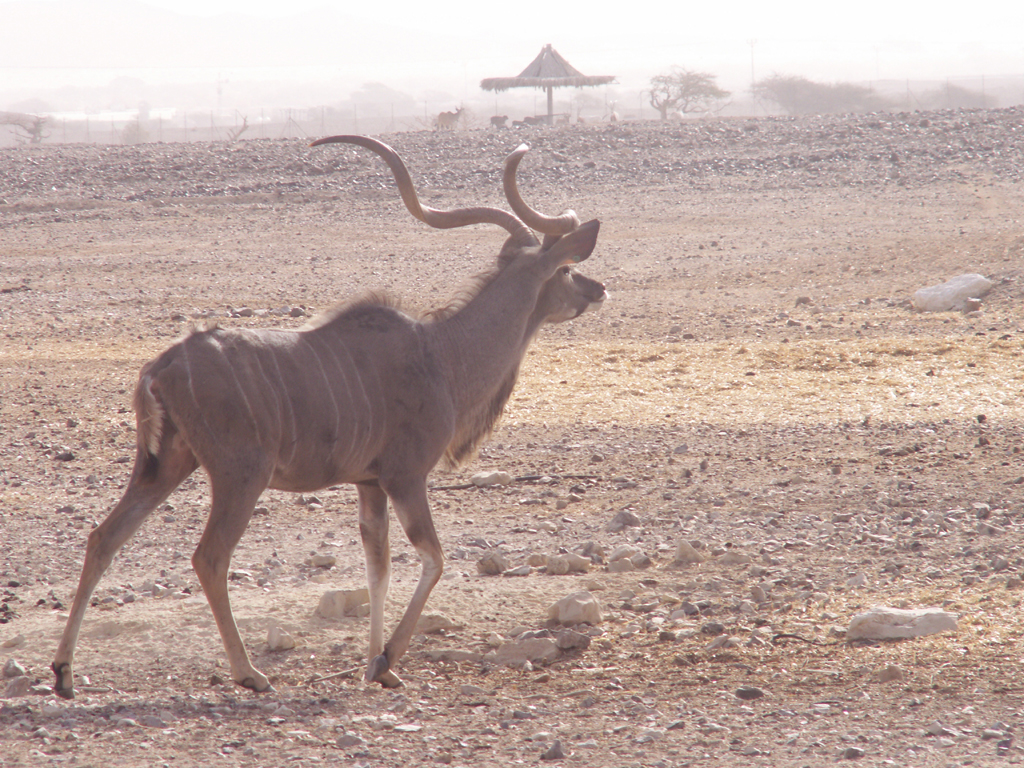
[[413, 510], [151, 482], [233, 501], [373, 530]]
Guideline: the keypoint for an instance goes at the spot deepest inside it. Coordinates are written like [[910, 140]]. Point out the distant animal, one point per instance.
[[499, 121], [529, 120], [446, 121], [364, 394]]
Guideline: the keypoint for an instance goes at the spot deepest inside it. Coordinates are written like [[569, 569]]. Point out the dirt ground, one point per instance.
[[757, 385]]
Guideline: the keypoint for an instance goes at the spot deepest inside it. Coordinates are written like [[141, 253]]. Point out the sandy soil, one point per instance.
[[757, 384]]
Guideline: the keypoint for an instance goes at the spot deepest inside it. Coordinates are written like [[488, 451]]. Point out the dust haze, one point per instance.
[[233, 62]]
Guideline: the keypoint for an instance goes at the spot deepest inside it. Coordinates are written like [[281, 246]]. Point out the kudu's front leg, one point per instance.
[[373, 530], [413, 510], [152, 480]]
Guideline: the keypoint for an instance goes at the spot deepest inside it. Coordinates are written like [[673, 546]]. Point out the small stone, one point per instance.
[[625, 565], [889, 674], [641, 561], [13, 669], [436, 623], [938, 729], [554, 752], [484, 479], [559, 565], [492, 563], [296, 312], [13, 642], [152, 721], [623, 552], [749, 693], [18, 686], [323, 561], [723, 641], [339, 603], [853, 753], [733, 557], [569, 640], [535, 650], [521, 570], [625, 519], [687, 555], [279, 640], [882, 623], [349, 740]]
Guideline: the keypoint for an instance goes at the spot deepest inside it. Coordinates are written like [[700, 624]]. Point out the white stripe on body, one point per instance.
[[283, 393]]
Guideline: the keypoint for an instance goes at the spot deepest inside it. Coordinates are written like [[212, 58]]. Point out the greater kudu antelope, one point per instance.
[[446, 121], [364, 394]]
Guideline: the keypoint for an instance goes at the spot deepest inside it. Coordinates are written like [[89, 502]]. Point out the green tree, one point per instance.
[[684, 90]]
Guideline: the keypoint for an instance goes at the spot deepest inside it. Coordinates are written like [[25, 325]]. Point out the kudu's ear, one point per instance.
[[575, 246]]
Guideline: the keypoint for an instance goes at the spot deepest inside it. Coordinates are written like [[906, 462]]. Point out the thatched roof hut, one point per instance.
[[548, 71]]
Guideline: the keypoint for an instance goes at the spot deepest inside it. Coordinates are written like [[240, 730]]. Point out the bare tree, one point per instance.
[[684, 90], [26, 127], [234, 134]]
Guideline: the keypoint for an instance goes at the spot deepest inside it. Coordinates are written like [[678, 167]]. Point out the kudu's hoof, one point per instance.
[[257, 685], [65, 685], [379, 671]]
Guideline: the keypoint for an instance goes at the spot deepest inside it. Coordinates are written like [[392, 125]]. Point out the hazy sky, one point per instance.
[[456, 43], [866, 20]]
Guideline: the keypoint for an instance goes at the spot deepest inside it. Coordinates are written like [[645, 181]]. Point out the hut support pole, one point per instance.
[[551, 105]]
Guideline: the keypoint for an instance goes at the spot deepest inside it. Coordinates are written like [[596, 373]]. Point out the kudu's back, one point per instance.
[[315, 407]]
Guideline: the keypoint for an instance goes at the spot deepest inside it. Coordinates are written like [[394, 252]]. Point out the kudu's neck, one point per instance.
[[483, 343]]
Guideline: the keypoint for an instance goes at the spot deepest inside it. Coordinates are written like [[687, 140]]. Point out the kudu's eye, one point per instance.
[[566, 270]]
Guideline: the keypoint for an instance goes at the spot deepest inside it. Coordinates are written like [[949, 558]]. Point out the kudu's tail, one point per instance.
[[149, 415]]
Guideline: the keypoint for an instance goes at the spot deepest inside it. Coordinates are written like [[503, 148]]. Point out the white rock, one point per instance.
[[339, 603], [625, 565], [952, 294], [734, 558], [860, 580], [559, 565], [722, 641], [433, 623], [623, 553], [687, 555], [536, 650], [13, 669], [577, 608], [323, 561], [882, 623], [279, 640], [18, 686], [13, 642], [482, 479]]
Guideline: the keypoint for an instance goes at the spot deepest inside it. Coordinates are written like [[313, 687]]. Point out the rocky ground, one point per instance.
[[757, 394]]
